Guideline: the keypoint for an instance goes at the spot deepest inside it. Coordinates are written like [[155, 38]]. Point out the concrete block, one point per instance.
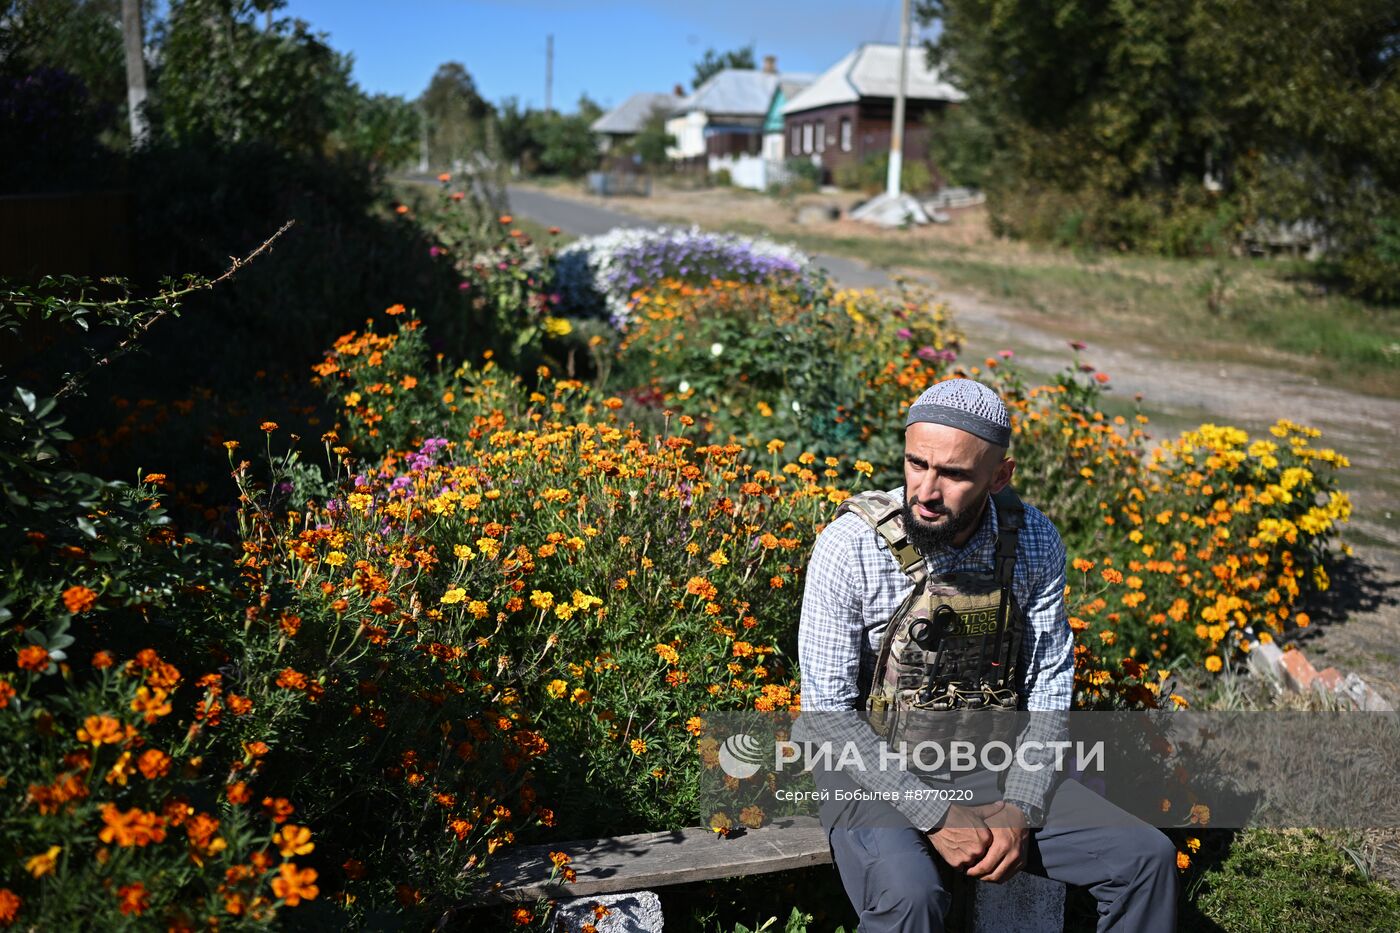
[[1363, 695], [633, 912], [1267, 660], [1298, 671], [1025, 904]]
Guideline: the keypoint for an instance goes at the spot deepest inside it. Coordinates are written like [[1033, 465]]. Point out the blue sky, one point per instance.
[[608, 49]]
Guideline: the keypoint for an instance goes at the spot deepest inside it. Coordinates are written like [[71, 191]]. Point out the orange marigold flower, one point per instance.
[[268, 426], [6, 692], [10, 903], [295, 885], [135, 827], [134, 899], [237, 793], [101, 730], [395, 310], [354, 869], [102, 660], [78, 599], [152, 704], [153, 764], [506, 219], [278, 808], [33, 658], [1183, 861], [291, 679], [292, 839], [239, 705], [1101, 377], [256, 749], [522, 916]]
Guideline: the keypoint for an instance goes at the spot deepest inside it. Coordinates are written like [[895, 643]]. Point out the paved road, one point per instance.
[[582, 219]]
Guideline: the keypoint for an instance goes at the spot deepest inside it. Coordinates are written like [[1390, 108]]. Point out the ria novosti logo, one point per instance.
[[741, 756]]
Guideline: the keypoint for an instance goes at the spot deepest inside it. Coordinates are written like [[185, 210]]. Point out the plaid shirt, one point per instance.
[[853, 588]]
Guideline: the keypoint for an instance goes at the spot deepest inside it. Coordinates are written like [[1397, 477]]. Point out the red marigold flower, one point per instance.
[[10, 903], [6, 692], [134, 899]]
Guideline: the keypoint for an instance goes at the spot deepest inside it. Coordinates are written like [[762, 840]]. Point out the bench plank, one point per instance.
[[652, 860]]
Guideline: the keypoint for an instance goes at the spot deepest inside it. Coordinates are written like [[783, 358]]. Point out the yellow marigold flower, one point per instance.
[[478, 609], [557, 688], [775, 446], [667, 654], [557, 327], [463, 552], [1183, 861], [865, 467], [541, 599], [580, 696], [638, 746], [564, 611], [41, 865], [1214, 664], [717, 558], [335, 558], [358, 501], [695, 725], [454, 596]]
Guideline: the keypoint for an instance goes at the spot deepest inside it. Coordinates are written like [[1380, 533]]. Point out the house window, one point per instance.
[[796, 146], [845, 134], [821, 136], [806, 137]]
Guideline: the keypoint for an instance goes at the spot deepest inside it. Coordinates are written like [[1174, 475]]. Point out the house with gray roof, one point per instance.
[[847, 113], [725, 115], [630, 117]]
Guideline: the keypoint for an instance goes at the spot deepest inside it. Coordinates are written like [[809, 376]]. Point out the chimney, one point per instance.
[[770, 64], [678, 90]]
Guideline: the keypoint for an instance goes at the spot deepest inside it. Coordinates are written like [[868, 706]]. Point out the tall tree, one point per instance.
[[715, 62], [456, 115]]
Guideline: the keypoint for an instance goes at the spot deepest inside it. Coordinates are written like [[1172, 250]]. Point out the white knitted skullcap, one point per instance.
[[966, 405]]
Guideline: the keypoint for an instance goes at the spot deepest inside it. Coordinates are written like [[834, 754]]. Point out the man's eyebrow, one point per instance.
[[942, 467]]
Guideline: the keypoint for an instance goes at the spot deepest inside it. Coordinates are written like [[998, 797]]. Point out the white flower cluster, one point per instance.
[[597, 275]]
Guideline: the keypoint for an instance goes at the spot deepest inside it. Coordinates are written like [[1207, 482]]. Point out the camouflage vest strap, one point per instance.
[[884, 512]]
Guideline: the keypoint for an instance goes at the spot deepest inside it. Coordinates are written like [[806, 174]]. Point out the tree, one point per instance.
[[226, 79], [456, 115], [715, 62], [381, 129], [651, 143], [134, 42], [567, 144]]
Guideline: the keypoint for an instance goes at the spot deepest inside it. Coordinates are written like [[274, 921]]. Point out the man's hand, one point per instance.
[[964, 838], [1006, 853]]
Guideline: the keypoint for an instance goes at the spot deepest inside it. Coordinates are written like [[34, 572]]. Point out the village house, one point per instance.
[[629, 118], [847, 113], [726, 115]]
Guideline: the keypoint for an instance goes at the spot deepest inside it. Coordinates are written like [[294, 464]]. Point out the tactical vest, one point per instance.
[[954, 643]]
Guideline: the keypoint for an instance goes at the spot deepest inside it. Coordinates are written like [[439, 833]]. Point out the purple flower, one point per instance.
[[905, 333]]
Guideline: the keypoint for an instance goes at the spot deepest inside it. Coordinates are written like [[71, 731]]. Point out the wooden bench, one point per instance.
[[635, 865]]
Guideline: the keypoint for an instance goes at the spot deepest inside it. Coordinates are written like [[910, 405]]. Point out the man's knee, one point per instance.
[[1150, 852]]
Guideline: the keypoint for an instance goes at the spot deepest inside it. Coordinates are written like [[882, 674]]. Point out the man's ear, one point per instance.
[[1003, 474]]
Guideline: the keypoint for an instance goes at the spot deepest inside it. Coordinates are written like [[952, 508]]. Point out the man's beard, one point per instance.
[[931, 540]]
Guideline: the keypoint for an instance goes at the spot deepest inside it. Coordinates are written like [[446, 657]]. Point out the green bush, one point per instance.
[[871, 173]]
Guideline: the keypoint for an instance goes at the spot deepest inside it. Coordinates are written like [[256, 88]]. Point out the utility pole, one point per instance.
[[897, 126], [134, 40], [548, 71]]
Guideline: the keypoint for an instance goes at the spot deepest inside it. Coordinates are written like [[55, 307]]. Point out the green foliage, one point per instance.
[[567, 145], [1133, 105], [380, 129], [871, 173], [456, 115], [961, 146], [225, 78], [651, 143], [714, 62]]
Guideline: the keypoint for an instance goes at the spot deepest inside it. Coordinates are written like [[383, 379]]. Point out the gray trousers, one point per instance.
[[893, 881]]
